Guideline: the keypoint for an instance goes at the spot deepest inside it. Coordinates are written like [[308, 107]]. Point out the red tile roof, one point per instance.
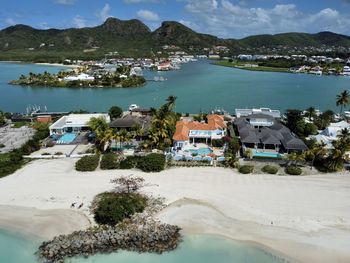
[[183, 127]]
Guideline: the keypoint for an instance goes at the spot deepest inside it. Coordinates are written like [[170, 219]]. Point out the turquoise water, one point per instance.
[[201, 151], [267, 154], [67, 138], [194, 249], [198, 86]]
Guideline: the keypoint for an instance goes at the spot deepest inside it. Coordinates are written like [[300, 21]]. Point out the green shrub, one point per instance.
[[2, 145], [128, 163], [217, 143], [58, 153], [109, 161], [153, 162], [114, 207], [246, 169], [293, 170], [270, 169], [87, 163]]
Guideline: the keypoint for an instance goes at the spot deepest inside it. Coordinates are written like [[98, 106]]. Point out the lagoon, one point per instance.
[[198, 86], [194, 249]]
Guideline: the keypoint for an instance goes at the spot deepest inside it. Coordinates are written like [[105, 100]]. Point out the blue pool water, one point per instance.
[[201, 151], [267, 155], [67, 138]]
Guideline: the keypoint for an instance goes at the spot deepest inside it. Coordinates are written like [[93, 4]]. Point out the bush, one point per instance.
[[293, 170], [109, 161], [270, 169], [59, 153], [153, 162], [114, 207], [128, 163], [217, 143], [2, 145], [246, 169], [87, 163]]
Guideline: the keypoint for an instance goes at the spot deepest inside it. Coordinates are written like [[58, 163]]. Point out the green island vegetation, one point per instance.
[[250, 66], [132, 38], [279, 65], [120, 78], [12, 161]]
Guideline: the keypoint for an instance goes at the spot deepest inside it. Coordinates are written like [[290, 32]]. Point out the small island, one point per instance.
[[121, 77]]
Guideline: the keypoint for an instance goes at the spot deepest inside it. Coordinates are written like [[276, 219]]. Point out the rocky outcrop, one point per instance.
[[141, 233]]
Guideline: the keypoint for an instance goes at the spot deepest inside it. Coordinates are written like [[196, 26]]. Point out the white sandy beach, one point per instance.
[[307, 219]]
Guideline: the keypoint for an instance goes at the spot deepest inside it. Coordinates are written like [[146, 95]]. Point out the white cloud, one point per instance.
[[79, 21], [9, 21], [65, 2], [148, 15], [227, 19], [103, 14], [197, 6], [140, 1]]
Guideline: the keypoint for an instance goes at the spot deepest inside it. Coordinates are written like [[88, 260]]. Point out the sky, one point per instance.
[[223, 18]]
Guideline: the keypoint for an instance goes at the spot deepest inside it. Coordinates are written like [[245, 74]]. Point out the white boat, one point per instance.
[[133, 106]]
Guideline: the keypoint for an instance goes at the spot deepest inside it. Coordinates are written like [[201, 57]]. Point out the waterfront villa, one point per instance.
[[246, 112], [188, 132], [81, 77], [75, 123], [328, 135], [266, 136], [129, 122]]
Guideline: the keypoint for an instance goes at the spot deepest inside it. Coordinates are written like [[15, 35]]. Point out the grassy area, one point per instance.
[[242, 66], [20, 124]]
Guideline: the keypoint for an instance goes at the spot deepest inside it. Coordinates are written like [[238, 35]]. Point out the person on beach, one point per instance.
[[72, 205], [81, 205]]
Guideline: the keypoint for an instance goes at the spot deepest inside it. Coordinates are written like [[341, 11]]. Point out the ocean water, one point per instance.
[[198, 86], [194, 249]]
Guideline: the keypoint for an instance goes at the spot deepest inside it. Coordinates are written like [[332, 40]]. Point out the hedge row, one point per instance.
[[109, 161], [87, 163]]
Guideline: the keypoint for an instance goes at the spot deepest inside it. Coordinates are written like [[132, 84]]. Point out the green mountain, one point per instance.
[[133, 38]]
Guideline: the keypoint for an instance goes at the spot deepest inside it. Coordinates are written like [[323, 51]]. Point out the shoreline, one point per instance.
[[301, 219], [42, 64]]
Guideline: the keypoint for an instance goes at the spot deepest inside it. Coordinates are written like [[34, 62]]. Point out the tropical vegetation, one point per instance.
[[87, 163]]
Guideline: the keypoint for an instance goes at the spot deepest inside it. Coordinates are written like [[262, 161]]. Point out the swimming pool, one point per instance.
[[67, 138], [267, 155], [201, 151]]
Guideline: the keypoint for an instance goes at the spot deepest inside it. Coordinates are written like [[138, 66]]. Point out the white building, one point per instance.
[[328, 135], [82, 77], [246, 112], [75, 123]]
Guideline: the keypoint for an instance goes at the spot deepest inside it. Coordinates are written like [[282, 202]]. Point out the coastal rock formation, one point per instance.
[[152, 237], [140, 233]]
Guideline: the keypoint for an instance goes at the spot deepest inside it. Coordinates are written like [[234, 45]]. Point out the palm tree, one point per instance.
[[310, 113], [137, 131], [344, 137], [103, 133], [171, 101], [343, 99], [122, 136]]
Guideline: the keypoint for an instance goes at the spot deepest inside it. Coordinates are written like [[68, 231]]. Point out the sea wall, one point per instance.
[[153, 237]]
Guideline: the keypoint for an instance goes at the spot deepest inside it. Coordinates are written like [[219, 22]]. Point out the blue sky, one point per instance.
[[224, 18]]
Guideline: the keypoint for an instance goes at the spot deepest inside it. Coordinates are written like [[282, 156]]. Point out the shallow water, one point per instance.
[[194, 249], [198, 86]]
